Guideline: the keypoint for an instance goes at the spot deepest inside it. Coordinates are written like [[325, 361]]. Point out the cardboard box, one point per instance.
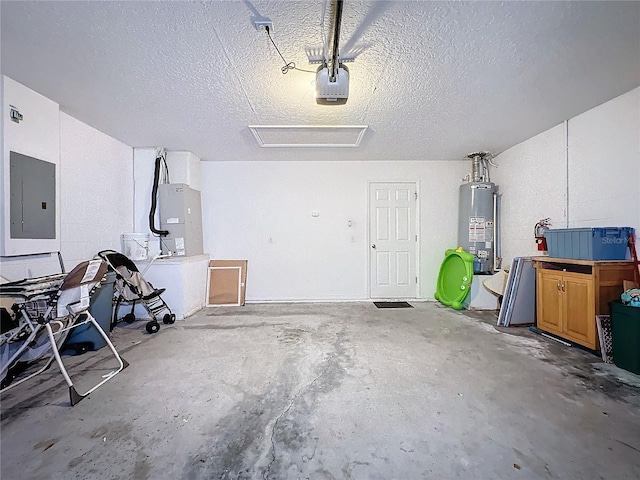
[[226, 282]]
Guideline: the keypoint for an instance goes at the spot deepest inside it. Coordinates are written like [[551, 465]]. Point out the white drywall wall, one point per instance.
[[532, 179], [97, 190], [143, 168], [96, 173], [262, 212], [37, 135], [604, 164], [601, 189]]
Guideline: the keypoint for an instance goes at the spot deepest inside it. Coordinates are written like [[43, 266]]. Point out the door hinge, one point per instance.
[[416, 280], [415, 195], [416, 237]]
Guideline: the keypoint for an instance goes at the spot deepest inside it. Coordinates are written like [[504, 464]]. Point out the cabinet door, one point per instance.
[[549, 301], [579, 310]]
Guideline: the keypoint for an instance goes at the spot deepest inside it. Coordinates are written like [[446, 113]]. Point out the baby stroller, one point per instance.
[[52, 306], [132, 287]]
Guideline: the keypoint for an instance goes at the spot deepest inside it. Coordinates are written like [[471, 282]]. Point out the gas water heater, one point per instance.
[[477, 215]]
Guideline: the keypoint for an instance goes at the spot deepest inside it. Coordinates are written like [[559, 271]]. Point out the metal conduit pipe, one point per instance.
[[336, 40]]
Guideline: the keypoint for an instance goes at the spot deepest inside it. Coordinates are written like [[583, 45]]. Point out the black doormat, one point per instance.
[[392, 305]]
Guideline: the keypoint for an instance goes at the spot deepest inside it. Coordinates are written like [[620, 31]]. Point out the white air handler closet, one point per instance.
[[184, 273]]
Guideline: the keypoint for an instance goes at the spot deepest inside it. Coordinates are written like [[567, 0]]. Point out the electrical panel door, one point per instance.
[[32, 185]]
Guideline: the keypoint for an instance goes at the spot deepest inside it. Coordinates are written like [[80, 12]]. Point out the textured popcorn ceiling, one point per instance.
[[432, 80]]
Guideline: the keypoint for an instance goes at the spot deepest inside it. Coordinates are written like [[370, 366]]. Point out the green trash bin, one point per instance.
[[625, 332]]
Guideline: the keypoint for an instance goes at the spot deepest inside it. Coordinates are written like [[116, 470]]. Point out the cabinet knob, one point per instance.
[[559, 285]]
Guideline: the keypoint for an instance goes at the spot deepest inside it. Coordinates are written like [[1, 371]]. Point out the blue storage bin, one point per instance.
[[100, 308], [590, 243]]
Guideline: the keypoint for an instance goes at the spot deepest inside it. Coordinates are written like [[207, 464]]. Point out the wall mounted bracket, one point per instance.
[[14, 114]]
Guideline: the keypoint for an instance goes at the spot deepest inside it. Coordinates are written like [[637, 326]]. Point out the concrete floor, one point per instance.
[[329, 391]]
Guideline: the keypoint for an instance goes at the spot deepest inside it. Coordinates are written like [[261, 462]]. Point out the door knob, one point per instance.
[[373, 246]]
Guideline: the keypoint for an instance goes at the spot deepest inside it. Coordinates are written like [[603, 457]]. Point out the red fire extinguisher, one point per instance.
[[539, 230]]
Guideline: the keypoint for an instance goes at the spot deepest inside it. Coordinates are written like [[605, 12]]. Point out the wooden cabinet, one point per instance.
[[570, 293]]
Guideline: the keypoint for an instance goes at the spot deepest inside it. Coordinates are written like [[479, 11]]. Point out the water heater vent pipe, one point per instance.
[[475, 172], [479, 169]]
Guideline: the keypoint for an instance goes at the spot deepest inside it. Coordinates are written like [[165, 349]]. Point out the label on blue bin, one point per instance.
[[613, 241]]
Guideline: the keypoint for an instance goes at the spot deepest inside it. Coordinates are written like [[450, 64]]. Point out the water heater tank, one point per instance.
[[476, 223]]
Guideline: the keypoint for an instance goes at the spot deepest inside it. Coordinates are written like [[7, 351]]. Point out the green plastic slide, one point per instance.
[[455, 277]]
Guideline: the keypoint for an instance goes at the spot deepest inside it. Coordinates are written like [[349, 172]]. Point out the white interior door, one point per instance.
[[393, 240]]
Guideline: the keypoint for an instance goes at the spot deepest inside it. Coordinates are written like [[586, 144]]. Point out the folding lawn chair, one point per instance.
[[51, 308]]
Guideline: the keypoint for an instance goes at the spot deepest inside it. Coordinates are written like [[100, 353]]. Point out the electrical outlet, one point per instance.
[[261, 25]]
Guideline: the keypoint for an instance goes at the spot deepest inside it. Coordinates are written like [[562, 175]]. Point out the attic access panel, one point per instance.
[[269, 136], [32, 200]]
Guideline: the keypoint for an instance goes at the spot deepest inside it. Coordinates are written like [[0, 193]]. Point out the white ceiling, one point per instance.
[[433, 80]]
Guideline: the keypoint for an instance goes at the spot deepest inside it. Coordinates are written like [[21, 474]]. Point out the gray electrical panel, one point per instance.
[[181, 215], [32, 202]]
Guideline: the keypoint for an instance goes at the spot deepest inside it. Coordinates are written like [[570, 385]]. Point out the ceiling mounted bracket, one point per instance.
[[316, 56], [332, 77], [262, 25]]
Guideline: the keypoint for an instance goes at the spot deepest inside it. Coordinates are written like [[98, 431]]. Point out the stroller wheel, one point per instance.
[[129, 318], [168, 319], [153, 326]]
